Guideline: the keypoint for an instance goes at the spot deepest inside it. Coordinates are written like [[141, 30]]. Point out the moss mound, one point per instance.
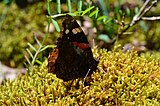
[[122, 79]]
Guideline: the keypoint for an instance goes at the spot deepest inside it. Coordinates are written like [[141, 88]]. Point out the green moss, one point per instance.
[[17, 29], [122, 79]]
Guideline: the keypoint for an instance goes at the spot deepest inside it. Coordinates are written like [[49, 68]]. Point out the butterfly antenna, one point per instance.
[[86, 76]]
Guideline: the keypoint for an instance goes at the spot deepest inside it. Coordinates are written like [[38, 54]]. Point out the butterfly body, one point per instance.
[[72, 58]]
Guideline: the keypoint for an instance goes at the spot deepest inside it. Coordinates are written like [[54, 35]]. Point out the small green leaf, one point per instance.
[[128, 12], [56, 25], [97, 12], [75, 13], [104, 38], [136, 10], [27, 60], [88, 6], [87, 10], [93, 13], [108, 21], [33, 48], [80, 5], [59, 6], [29, 52], [49, 7], [102, 18], [35, 37], [39, 62], [48, 46], [69, 6]]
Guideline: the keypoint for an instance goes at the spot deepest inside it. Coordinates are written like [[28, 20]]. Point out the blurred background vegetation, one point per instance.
[[21, 20]]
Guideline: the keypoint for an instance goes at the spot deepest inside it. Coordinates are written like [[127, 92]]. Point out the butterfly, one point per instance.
[[72, 57]]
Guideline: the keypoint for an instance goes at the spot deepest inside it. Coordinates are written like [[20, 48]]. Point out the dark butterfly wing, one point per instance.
[[52, 60], [72, 58], [72, 31]]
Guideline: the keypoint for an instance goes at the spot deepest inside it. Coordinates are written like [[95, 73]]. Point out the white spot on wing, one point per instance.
[[67, 31], [76, 30]]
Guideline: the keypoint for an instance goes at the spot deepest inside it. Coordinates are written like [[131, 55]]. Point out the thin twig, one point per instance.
[[139, 16], [140, 13], [151, 18], [149, 8], [143, 10]]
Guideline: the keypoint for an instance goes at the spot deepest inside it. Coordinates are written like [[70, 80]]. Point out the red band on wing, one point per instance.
[[81, 45]]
